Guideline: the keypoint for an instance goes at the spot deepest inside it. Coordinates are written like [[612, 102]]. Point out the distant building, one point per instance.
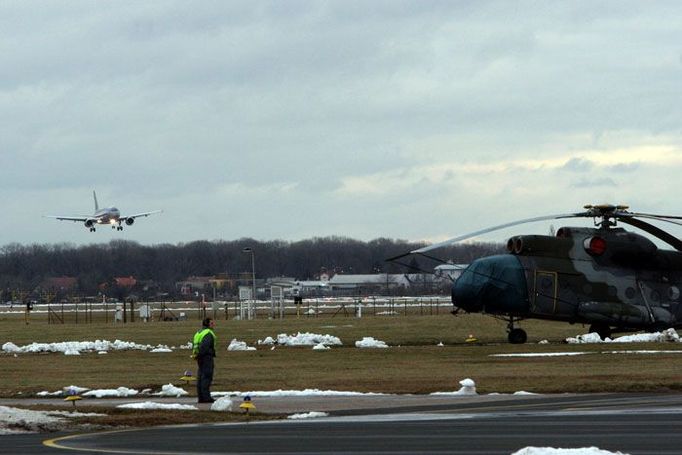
[[125, 281], [194, 284], [367, 283]]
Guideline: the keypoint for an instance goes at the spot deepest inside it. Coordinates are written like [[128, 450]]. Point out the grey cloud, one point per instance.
[[578, 165], [594, 183]]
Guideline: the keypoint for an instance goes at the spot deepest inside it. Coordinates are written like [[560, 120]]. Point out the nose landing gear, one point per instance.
[[516, 335]]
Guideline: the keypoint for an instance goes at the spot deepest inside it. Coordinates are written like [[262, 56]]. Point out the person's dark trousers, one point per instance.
[[204, 379]]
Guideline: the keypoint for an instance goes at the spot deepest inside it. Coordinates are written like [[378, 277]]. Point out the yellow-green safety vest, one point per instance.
[[198, 338]]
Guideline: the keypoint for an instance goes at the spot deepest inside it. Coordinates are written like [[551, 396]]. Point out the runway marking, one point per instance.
[[54, 444]]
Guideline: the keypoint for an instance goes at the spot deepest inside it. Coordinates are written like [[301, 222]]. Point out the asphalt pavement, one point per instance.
[[635, 424]]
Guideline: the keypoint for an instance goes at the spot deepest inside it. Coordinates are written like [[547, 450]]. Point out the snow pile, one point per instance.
[[222, 404], [169, 390], [669, 335], [10, 348], [267, 341], [307, 415], [76, 347], [468, 387], [116, 393], [307, 339], [45, 393], [161, 348], [14, 420], [553, 451], [320, 347], [370, 342], [236, 345], [155, 405]]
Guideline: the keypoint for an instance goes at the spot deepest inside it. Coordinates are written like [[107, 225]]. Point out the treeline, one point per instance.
[[26, 266]]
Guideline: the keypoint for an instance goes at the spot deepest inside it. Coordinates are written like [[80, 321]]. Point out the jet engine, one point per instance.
[[88, 223], [130, 221]]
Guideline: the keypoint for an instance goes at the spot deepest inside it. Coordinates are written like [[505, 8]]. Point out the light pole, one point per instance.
[[253, 278]]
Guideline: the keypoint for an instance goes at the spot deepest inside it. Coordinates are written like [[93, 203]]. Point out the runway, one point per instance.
[[634, 424]]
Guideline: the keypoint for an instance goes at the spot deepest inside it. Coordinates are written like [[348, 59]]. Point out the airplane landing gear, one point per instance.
[[516, 335], [92, 229]]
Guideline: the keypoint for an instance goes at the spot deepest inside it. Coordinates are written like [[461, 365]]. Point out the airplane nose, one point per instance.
[[494, 284]]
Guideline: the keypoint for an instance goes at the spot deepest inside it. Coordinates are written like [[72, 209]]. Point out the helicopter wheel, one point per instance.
[[603, 330], [517, 336]]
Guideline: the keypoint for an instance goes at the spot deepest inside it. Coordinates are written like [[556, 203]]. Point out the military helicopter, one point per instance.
[[610, 278]]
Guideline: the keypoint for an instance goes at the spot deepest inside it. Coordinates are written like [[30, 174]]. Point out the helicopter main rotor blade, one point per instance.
[[653, 230], [659, 219], [496, 228], [651, 215]]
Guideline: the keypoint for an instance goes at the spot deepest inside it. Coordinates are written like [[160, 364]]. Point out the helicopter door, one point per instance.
[[544, 296]]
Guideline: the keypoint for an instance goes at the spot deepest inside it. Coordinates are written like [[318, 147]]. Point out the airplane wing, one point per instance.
[[82, 219], [138, 215]]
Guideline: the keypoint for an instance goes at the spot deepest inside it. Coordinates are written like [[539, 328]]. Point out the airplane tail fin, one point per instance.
[[94, 195]]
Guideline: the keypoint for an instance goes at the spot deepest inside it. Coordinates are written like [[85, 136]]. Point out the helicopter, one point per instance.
[[608, 277]]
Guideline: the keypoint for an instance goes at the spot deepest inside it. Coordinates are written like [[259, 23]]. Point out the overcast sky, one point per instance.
[[299, 119]]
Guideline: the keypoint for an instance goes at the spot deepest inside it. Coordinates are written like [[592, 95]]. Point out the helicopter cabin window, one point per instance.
[[673, 293]]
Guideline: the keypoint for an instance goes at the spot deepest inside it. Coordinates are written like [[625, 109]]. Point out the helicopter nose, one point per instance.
[[494, 284]]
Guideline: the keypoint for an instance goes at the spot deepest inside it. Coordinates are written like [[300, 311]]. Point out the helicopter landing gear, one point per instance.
[[603, 330], [516, 335]]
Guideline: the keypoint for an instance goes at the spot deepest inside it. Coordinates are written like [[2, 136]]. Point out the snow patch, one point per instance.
[[553, 451], [236, 345], [169, 390], [155, 405], [307, 415], [222, 404], [370, 342]]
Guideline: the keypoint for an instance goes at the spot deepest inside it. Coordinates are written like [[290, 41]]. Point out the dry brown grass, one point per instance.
[[417, 366]]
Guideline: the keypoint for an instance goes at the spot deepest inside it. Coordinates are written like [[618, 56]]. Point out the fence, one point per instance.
[[130, 312]]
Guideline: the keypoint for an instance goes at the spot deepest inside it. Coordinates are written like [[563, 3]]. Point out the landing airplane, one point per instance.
[[106, 215]]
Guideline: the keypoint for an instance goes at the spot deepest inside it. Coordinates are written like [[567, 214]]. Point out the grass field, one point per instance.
[[413, 364]]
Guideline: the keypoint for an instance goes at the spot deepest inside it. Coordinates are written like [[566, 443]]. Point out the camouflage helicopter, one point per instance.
[[610, 278]]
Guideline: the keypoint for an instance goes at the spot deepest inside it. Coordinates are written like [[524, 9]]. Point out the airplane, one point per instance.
[[608, 277], [107, 215]]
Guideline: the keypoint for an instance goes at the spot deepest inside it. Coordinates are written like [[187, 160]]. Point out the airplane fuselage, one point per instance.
[[107, 215]]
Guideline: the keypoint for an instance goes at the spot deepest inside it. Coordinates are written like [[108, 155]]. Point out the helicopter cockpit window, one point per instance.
[[498, 281]]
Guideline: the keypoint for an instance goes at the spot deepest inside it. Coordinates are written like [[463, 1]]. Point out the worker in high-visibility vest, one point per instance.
[[203, 351]]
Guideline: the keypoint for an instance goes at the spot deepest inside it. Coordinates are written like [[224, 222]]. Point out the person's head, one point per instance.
[[209, 323]]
